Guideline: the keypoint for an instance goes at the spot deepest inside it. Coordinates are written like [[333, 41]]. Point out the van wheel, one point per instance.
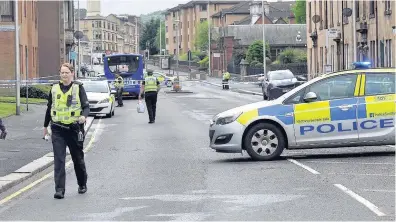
[[264, 141]]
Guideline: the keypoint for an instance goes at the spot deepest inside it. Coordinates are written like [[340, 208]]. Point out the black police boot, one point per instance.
[[59, 194], [82, 189]]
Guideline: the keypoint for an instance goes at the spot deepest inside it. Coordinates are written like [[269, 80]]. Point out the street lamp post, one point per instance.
[[178, 47], [17, 67], [263, 24], [209, 34]]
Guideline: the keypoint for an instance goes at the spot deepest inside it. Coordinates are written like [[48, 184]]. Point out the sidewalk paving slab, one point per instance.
[[24, 153]]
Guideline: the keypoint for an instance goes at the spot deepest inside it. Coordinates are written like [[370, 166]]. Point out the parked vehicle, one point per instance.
[[278, 82]]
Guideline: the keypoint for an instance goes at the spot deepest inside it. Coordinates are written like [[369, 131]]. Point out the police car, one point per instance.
[[100, 97], [342, 109]]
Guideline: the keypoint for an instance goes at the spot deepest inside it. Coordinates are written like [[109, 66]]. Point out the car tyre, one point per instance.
[[272, 136]]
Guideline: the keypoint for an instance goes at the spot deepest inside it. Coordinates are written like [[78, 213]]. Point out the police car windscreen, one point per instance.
[[96, 87], [123, 64]]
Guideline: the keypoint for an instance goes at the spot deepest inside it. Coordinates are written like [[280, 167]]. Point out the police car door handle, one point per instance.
[[289, 114], [345, 107]]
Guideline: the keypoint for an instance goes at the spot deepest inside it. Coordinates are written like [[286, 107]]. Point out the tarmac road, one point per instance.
[[166, 171]]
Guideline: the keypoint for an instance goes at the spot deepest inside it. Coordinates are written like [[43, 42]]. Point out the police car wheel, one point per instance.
[[264, 141]]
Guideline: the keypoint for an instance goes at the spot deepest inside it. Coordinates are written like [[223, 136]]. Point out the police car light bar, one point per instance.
[[362, 65]]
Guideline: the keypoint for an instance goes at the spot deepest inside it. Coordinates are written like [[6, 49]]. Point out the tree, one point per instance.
[[163, 38], [149, 36], [255, 51], [201, 39], [299, 10]]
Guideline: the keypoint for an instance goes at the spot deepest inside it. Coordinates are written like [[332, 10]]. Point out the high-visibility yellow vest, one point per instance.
[[119, 82], [150, 84], [60, 111], [226, 75]]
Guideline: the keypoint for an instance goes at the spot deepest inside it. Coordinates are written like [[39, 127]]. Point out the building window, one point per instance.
[[167, 41], [357, 5], [387, 5], [203, 19], [7, 11], [166, 28], [309, 17], [174, 39], [326, 15], [331, 14], [372, 8], [388, 53], [321, 15], [203, 7]]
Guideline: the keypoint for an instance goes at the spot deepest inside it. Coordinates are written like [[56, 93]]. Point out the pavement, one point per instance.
[[24, 153], [166, 171]]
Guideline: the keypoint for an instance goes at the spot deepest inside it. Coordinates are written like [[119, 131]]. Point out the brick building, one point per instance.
[[336, 41], [28, 42]]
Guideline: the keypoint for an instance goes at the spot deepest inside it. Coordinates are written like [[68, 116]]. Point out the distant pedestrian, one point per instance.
[[3, 130], [150, 87], [226, 78], [67, 110]]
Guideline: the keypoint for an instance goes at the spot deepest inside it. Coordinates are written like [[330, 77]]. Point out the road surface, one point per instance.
[[166, 171]]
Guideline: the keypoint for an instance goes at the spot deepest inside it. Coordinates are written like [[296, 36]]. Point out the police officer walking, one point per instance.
[[150, 87], [119, 85], [67, 110], [3, 130]]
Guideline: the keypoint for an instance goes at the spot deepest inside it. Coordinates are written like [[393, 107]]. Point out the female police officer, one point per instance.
[[67, 110]]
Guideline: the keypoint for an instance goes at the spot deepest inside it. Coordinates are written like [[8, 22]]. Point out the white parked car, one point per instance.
[[100, 97]]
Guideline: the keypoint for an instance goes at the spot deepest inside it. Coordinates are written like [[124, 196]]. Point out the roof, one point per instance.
[[275, 34], [197, 2], [240, 8]]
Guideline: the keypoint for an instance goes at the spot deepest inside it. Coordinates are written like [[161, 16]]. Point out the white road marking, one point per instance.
[[303, 166], [360, 199], [342, 162]]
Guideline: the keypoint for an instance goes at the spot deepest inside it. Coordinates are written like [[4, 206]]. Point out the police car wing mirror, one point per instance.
[[311, 96]]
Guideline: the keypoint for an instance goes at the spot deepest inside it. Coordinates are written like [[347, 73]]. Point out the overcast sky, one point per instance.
[[135, 7]]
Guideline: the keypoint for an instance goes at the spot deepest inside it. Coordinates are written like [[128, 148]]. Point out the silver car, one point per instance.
[[343, 109]]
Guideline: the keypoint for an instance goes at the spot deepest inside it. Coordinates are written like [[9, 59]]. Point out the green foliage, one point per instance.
[[204, 63], [299, 10], [255, 51], [163, 38], [149, 35], [153, 15], [37, 91], [291, 55], [201, 40]]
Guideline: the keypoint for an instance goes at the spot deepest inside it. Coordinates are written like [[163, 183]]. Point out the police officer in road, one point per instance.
[[67, 110], [150, 87], [226, 78], [119, 85]]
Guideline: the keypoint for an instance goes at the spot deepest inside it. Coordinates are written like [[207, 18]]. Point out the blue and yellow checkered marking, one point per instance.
[[377, 106]]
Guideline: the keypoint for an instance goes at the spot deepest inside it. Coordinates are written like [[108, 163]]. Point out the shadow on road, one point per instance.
[[312, 156]]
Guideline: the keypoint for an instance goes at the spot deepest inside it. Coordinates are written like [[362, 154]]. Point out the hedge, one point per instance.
[[36, 91]]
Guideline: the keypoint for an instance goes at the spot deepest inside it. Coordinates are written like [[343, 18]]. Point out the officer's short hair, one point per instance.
[[150, 72]]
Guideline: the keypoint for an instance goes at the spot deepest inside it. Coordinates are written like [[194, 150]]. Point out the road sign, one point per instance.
[[216, 55], [78, 34], [332, 33]]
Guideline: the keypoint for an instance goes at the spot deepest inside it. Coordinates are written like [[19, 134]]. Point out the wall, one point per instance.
[[28, 39]]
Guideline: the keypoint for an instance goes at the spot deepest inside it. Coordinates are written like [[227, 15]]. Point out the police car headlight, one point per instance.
[[105, 100], [226, 119]]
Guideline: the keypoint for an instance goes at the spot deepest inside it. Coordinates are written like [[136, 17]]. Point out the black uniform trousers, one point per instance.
[[62, 137], [151, 103], [119, 96], [2, 127]]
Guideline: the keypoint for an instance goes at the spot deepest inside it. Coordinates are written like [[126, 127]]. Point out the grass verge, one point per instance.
[[6, 99]]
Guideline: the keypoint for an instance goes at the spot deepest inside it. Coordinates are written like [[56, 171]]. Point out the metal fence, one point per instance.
[[295, 68]]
